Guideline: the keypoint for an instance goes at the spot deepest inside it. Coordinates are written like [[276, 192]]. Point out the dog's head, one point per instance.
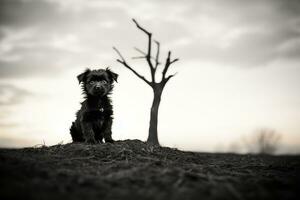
[[97, 82]]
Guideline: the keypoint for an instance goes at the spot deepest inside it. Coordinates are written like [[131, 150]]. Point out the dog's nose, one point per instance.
[[98, 87]]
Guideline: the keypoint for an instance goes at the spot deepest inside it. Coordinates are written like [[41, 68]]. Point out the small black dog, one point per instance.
[[94, 119]]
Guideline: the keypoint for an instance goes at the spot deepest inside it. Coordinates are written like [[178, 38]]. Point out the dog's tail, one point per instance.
[[76, 136]]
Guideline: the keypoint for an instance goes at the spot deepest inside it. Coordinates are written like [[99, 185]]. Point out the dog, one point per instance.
[[94, 119]]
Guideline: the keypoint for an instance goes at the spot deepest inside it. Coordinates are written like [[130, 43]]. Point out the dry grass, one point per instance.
[[132, 169]]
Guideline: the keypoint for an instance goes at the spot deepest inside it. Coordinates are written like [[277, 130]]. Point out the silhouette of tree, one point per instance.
[[153, 63], [264, 141]]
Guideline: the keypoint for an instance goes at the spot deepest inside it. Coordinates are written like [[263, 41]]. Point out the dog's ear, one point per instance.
[[113, 76], [82, 77]]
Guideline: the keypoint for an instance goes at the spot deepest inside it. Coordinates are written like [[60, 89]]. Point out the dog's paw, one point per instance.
[[90, 141], [109, 140], [100, 142]]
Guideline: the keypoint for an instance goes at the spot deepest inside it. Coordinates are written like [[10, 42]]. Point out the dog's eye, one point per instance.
[[104, 81], [92, 82]]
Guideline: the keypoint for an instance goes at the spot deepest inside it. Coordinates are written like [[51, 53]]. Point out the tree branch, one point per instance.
[[142, 52], [157, 54], [141, 28], [170, 76], [175, 60], [138, 57], [149, 37], [123, 61], [148, 55], [120, 55], [167, 65]]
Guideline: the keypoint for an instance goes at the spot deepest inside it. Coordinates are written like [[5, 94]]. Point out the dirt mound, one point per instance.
[[131, 169]]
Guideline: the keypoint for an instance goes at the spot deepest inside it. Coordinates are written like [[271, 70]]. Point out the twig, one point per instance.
[[157, 54], [138, 57], [167, 65], [170, 76], [137, 49], [123, 61], [118, 52]]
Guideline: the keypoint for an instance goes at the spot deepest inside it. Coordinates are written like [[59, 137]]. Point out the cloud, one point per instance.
[[12, 95], [241, 33], [19, 13], [45, 38], [28, 52], [48, 46]]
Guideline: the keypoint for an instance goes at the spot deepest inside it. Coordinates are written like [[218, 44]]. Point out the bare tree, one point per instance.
[[153, 63], [264, 141]]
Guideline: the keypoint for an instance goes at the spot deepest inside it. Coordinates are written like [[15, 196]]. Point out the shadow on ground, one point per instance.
[[132, 170]]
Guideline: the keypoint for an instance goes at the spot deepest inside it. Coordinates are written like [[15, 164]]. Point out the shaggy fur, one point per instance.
[[94, 119]]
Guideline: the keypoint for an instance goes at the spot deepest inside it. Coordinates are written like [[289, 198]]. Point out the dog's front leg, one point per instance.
[[88, 133], [107, 131]]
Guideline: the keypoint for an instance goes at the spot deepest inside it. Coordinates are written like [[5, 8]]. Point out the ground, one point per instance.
[[131, 169]]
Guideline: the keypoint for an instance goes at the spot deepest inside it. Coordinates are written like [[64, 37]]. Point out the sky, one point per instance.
[[239, 69]]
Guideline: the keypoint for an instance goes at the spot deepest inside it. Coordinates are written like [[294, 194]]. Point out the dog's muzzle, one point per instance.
[[98, 86], [100, 89]]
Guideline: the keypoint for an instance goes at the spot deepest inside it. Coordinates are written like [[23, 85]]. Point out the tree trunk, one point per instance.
[[152, 137]]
